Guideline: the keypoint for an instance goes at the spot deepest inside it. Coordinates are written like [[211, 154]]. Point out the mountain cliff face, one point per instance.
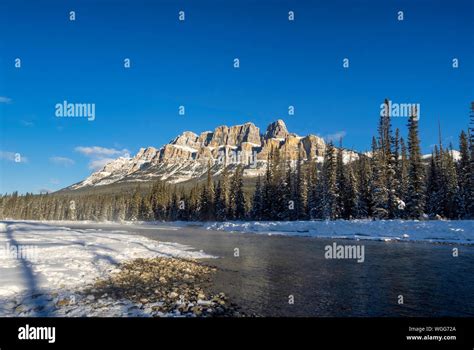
[[188, 155]]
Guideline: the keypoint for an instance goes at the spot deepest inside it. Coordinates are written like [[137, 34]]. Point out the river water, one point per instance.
[[290, 276]]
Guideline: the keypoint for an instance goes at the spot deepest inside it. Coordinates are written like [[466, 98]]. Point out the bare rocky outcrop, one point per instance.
[[277, 130]]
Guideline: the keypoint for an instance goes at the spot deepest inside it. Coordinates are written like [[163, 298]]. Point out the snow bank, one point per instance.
[[70, 258], [459, 232]]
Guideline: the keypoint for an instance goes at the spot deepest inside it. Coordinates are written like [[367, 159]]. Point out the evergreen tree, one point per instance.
[[173, 212], [470, 205], [312, 190], [403, 179], [327, 189], [464, 176], [206, 204], [379, 191], [435, 196], [220, 205], [364, 176], [300, 190], [416, 174], [341, 185], [237, 194], [146, 210], [134, 206], [451, 185], [257, 202], [289, 195], [352, 203]]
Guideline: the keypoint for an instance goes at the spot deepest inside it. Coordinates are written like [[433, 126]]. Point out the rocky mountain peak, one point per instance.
[[277, 130], [235, 135], [187, 156], [187, 138]]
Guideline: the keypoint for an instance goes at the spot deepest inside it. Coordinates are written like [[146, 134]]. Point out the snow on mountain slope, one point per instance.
[[187, 156]]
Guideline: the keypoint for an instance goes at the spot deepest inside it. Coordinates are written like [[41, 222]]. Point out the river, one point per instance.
[[290, 276]]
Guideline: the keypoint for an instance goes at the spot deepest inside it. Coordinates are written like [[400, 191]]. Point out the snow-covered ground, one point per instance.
[[58, 259], [457, 232]]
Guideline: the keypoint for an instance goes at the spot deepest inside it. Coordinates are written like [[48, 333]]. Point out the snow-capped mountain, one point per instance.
[[454, 153], [188, 155]]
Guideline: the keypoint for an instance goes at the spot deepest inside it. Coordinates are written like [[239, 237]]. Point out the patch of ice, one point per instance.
[[456, 231]]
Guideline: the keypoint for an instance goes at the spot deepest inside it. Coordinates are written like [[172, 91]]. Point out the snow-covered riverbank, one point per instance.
[[56, 258], [456, 232]]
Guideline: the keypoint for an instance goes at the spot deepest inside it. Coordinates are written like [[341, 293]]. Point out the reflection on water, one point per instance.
[[271, 269]]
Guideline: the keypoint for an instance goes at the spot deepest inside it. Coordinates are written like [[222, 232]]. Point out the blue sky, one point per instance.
[[190, 63]]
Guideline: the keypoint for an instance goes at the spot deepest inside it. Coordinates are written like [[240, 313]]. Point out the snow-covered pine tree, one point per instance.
[[192, 204], [267, 188], [280, 185], [340, 184], [470, 206], [403, 181], [328, 190], [207, 197], [351, 194], [451, 181], [397, 176], [146, 210], [311, 190], [364, 175], [204, 204], [119, 208], [463, 169], [416, 172], [219, 204], [173, 211], [256, 212], [288, 192], [134, 206], [379, 191], [394, 205], [435, 197], [158, 200], [225, 194], [237, 194], [300, 190]]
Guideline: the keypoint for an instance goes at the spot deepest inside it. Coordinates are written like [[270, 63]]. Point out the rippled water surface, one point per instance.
[[271, 269]]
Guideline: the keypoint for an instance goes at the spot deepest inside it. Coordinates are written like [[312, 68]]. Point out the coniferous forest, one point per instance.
[[393, 181]]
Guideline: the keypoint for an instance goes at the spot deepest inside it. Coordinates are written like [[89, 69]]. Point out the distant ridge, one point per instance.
[[188, 155]]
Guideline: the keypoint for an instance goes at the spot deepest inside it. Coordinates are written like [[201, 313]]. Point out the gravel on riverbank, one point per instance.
[[144, 287], [165, 287]]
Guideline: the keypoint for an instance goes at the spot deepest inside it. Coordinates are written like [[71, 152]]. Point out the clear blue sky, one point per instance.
[[191, 63]]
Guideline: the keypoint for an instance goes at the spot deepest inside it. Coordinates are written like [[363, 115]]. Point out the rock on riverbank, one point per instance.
[[165, 287]]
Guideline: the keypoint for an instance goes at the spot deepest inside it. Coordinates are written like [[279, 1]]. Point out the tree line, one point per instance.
[[393, 181]]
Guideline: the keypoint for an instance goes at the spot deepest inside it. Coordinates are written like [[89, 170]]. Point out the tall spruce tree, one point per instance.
[[300, 190], [267, 189], [379, 191], [257, 202], [237, 194], [341, 185], [364, 176], [434, 188], [470, 206], [463, 169], [328, 188], [416, 171], [312, 190]]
